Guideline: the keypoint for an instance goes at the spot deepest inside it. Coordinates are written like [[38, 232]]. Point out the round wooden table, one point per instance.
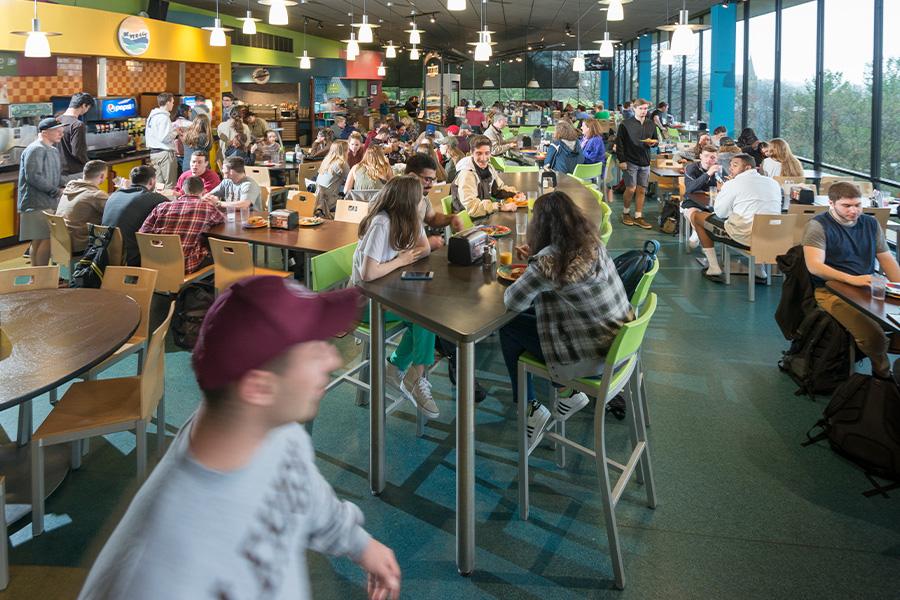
[[49, 337]]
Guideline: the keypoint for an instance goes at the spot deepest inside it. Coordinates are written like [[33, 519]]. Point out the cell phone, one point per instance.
[[417, 275]]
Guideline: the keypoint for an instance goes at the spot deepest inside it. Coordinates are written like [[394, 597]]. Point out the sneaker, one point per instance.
[[693, 241], [616, 407], [480, 392], [418, 391], [566, 407], [626, 219], [538, 418], [393, 377], [640, 222]]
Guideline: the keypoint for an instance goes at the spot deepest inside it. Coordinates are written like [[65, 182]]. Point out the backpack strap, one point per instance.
[[822, 435], [651, 247]]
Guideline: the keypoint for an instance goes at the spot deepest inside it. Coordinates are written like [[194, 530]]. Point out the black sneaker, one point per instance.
[[616, 407], [480, 392]]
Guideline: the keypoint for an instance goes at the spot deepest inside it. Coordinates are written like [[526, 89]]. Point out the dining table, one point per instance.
[[884, 312], [462, 304]]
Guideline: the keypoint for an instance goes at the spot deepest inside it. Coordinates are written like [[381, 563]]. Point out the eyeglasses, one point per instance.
[[427, 179]]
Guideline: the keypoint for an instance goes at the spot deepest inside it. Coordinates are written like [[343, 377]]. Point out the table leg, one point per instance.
[[376, 399], [465, 458], [307, 272]]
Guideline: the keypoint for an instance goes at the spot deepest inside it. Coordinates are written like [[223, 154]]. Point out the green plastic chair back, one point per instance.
[[674, 134], [606, 230], [447, 204], [498, 163], [596, 193], [643, 287], [332, 268], [631, 335], [511, 168], [586, 172], [466, 219]]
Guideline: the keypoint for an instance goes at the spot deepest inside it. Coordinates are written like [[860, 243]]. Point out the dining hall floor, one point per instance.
[[744, 511]]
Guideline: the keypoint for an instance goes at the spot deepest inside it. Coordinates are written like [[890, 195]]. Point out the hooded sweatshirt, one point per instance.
[[81, 203], [160, 132], [473, 188], [563, 155]]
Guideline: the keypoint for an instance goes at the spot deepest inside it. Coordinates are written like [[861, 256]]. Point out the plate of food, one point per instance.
[[650, 141], [496, 230], [892, 289], [510, 272], [522, 202], [256, 222], [310, 221]]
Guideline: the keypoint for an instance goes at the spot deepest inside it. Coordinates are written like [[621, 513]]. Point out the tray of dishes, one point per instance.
[[892, 289]]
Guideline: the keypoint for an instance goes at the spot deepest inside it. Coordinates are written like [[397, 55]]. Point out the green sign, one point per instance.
[[9, 64], [32, 109]]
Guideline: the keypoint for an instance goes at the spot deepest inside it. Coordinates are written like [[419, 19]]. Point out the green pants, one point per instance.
[[416, 346]]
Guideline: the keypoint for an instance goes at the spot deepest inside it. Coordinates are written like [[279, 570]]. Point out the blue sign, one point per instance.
[[118, 108]]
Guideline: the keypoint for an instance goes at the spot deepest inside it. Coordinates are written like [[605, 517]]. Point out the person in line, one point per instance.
[[340, 122], [746, 194], [564, 151], [412, 106], [636, 135], [571, 305], [228, 101], [750, 144], [322, 144], [331, 178], [719, 133], [355, 148], [843, 245], [161, 135], [199, 167], [39, 187], [236, 188], [452, 155], [371, 173], [73, 144], [200, 107], [661, 119], [128, 208], [391, 237], [477, 183], [237, 500], [82, 202], [593, 149], [198, 137], [781, 161], [257, 126], [494, 132], [189, 216], [475, 117], [229, 130]]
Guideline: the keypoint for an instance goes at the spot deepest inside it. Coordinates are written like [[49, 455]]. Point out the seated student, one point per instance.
[[451, 153], [369, 174], [200, 168], [746, 194], [269, 149], [355, 148], [237, 500], [337, 127], [82, 202], [728, 150], [238, 148], [843, 245], [128, 208], [351, 127], [494, 133], [393, 150], [237, 188], [477, 183], [565, 150], [322, 143], [391, 237], [780, 161], [683, 156], [331, 177], [593, 148], [571, 304], [702, 176], [719, 133], [189, 216], [427, 148]]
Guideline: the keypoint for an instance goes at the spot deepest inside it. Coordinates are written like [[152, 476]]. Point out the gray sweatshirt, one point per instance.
[[40, 177], [195, 533]]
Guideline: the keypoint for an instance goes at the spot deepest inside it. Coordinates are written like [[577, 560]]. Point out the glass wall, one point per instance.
[[738, 73], [677, 74], [798, 77], [654, 64], [706, 62], [761, 67], [692, 77], [890, 114]]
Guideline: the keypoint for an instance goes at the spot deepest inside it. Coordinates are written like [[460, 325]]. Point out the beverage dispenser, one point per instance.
[[114, 127], [22, 130]]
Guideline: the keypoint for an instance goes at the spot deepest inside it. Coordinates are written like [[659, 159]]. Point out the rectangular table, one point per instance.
[[861, 299], [463, 305]]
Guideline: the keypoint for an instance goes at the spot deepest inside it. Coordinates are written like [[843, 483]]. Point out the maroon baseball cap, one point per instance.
[[260, 317]]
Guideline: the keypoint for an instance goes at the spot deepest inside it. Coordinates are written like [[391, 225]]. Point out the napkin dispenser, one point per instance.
[[284, 219], [548, 180], [467, 247]]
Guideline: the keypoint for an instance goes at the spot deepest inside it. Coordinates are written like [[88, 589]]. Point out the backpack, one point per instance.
[[862, 423], [819, 357], [632, 265], [191, 305], [669, 221], [88, 271]]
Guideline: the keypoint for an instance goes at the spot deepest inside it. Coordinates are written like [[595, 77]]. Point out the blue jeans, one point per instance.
[[516, 337]]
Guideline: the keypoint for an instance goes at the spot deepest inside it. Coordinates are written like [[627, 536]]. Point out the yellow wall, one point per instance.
[[7, 209]]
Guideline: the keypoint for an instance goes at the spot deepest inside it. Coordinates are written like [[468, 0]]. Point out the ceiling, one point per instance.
[[514, 21]]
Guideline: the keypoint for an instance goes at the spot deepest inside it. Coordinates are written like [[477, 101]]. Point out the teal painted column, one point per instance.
[[604, 88], [721, 83], [645, 47]]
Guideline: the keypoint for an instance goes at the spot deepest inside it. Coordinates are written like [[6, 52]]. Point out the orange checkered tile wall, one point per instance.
[[66, 82], [203, 78], [134, 77]]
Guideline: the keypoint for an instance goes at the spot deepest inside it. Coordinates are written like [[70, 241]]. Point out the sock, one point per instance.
[[626, 210], [637, 214], [695, 239], [713, 261], [760, 271]]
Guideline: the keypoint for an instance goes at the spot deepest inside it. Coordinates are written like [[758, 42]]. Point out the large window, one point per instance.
[[676, 107], [890, 119], [738, 73], [760, 92], [692, 76], [798, 77], [654, 64], [705, 74]]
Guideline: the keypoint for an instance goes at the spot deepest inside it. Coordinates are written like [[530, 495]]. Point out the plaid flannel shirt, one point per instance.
[[577, 322], [189, 217]]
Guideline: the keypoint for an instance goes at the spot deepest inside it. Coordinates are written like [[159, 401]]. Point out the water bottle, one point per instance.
[[298, 154]]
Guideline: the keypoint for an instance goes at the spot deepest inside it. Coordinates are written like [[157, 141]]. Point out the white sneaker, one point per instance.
[[418, 391], [538, 418], [693, 241], [393, 377], [566, 407]]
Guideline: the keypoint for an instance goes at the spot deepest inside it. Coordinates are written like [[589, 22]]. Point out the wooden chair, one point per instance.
[[351, 211], [162, 251], [234, 261], [60, 242], [881, 214], [115, 250], [803, 212], [307, 170], [829, 180], [91, 408], [263, 178], [771, 236], [865, 187], [439, 191], [303, 203]]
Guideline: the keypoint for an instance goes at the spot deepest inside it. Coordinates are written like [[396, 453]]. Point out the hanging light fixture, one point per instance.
[[606, 45], [249, 27], [390, 51], [305, 59], [382, 71], [36, 44], [365, 29], [483, 50], [665, 56], [278, 14], [488, 83], [217, 32], [456, 5], [414, 37], [413, 53], [683, 42], [615, 12], [578, 61], [352, 46]]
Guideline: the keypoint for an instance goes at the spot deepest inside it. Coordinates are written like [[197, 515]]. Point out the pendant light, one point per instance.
[[305, 59], [578, 62], [352, 46], [456, 5], [413, 53], [533, 82], [665, 57], [278, 14], [217, 32], [483, 50], [382, 71], [36, 44], [614, 9], [249, 27], [414, 37], [683, 42], [390, 51], [365, 29], [606, 45]]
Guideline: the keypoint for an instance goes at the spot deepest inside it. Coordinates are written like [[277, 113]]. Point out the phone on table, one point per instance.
[[417, 275]]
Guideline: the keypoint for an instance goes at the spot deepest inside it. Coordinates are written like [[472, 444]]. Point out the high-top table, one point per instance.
[[861, 299], [463, 305]]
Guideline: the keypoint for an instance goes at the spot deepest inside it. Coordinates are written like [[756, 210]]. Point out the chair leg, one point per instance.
[[642, 390], [161, 426], [140, 361], [726, 264], [645, 469], [769, 270], [54, 398], [4, 547], [362, 395], [75, 460], [523, 443], [560, 428], [751, 278], [420, 422], [609, 509], [37, 488], [632, 416], [140, 432], [23, 433]]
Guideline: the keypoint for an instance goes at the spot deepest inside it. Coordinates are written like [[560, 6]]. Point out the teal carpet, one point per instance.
[[744, 511]]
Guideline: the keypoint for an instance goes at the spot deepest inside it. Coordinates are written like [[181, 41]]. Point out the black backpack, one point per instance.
[[819, 357], [191, 305], [632, 265], [669, 221], [88, 271], [862, 423]]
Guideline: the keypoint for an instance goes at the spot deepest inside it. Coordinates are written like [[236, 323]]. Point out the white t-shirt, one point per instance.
[[771, 167], [375, 244]]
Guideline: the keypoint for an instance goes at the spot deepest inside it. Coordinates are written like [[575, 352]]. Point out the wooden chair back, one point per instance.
[[829, 180], [233, 260], [265, 196], [308, 170], [115, 249], [865, 187], [881, 214], [60, 240], [25, 279], [804, 213], [136, 282], [771, 236], [153, 377], [351, 211], [162, 252], [304, 203], [439, 191], [260, 175]]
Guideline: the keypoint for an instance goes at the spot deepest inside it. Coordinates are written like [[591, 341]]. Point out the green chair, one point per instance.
[[637, 303], [513, 168], [674, 134], [589, 173], [498, 163], [608, 171], [606, 227], [466, 219], [618, 377]]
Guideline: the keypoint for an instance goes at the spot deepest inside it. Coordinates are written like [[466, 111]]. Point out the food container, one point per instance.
[[283, 219]]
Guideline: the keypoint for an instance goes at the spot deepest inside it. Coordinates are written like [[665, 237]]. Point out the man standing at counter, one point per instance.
[[40, 184], [161, 135], [73, 144]]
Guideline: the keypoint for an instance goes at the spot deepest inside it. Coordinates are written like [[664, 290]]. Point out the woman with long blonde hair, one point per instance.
[[781, 161], [330, 180], [371, 173]]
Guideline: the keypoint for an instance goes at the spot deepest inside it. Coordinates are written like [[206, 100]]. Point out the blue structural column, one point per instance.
[[604, 88], [645, 48], [721, 83]]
